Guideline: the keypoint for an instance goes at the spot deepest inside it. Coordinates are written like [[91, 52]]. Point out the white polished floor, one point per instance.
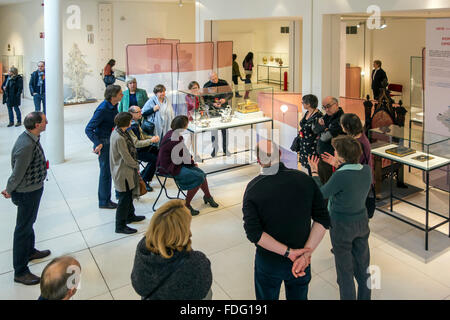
[[69, 222]]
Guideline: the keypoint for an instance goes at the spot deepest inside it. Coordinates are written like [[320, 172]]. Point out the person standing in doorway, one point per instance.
[[248, 68], [37, 87], [379, 79], [236, 75], [99, 131], [25, 187]]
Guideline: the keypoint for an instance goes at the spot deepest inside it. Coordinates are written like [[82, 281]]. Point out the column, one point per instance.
[[54, 81]]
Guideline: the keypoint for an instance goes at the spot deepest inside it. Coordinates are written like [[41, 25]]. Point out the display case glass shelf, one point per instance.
[[415, 148], [225, 107]]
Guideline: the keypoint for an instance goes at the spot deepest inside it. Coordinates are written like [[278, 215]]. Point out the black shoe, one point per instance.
[[211, 202], [213, 154], [39, 255], [136, 219], [193, 211], [149, 188], [126, 230], [237, 95], [10, 124], [110, 205], [18, 124], [29, 279]]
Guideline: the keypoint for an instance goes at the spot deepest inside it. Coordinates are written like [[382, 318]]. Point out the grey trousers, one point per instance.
[[350, 242]]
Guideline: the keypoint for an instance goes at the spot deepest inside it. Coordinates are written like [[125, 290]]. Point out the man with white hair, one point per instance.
[[218, 99], [278, 207]]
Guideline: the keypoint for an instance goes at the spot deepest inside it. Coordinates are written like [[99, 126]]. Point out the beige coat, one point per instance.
[[123, 166]]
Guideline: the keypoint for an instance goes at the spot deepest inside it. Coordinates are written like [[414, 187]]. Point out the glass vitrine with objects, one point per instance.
[[395, 149], [226, 121], [225, 107]]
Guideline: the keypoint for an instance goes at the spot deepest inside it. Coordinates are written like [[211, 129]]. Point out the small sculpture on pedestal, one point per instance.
[[76, 71]]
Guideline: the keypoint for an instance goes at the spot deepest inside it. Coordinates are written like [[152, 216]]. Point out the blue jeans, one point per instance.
[[11, 114], [37, 98], [105, 181], [23, 246], [270, 275]]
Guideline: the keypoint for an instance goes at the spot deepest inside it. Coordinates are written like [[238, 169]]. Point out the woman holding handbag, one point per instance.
[[125, 173], [158, 113]]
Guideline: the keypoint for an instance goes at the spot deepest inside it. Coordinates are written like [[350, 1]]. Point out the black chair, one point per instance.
[[159, 175]]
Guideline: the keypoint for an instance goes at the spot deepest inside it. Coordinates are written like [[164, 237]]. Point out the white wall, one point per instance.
[[259, 36], [388, 46], [20, 25]]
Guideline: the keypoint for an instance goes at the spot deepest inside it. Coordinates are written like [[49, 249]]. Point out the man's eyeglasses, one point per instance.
[[328, 106]]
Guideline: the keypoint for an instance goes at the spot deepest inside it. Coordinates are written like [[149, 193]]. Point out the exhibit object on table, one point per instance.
[[247, 107], [423, 158], [400, 151], [264, 60]]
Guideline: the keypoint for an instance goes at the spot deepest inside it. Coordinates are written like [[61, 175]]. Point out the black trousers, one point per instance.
[[23, 247], [149, 170], [215, 140], [125, 208]]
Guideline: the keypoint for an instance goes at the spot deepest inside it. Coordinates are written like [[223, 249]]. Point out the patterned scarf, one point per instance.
[[130, 144]]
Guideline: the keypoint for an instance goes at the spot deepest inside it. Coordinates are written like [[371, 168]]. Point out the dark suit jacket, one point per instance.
[[377, 82]]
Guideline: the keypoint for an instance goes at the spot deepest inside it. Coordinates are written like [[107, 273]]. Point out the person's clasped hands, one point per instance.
[[301, 259]]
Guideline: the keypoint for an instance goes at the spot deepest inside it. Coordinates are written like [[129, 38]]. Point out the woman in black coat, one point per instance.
[[13, 91]]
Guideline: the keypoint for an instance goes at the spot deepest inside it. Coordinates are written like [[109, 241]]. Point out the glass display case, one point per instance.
[[425, 151], [416, 92], [12, 61], [235, 116], [422, 150], [225, 107]]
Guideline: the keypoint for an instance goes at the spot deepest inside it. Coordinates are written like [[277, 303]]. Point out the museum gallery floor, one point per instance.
[[70, 222]]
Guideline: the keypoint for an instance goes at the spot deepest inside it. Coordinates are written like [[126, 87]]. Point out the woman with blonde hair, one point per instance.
[[165, 266]]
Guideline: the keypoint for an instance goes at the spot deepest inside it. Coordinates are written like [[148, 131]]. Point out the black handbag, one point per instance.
[[148, 127], [371, 202], [295, 147], [371, 197]]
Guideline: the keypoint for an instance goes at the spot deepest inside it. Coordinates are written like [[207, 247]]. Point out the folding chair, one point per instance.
[[159, 175], [141, 163]]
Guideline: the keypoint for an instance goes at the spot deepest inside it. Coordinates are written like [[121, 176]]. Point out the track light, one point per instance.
[[384, 25], [180, 3]]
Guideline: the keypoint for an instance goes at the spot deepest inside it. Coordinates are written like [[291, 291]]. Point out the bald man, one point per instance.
[[278, 207], [218, 100], [328, 127], [60, 279]]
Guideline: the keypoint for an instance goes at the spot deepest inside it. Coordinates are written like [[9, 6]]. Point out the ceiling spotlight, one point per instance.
[[358, 25], [284, 108], [384, 25], [180, 3]]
